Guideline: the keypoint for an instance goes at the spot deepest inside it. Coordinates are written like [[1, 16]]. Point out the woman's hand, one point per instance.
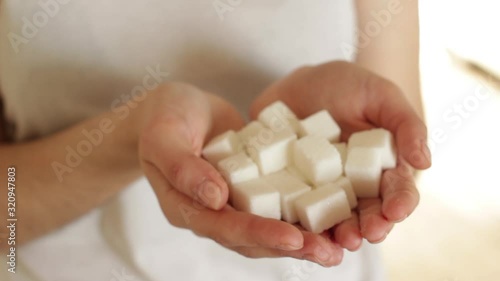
[[360, 100], [176, 121]]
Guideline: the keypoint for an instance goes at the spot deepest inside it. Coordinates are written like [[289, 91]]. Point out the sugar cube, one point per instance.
[[314, 180], [342, 149], [256, 197], [379, 138], [251, 130], [238, 168], [346, 185], [322, 208], [320, 124], [297, 174], [271, 153], [277, 116], [364, 169], [317, 159], [290, 188], [222, 146]]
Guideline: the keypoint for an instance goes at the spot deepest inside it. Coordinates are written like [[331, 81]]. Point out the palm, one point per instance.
[[180, 120], [359, 100]]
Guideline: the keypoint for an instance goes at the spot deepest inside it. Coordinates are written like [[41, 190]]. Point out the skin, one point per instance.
[[394, 52], [359, 100], [162, 139], [394, 55]]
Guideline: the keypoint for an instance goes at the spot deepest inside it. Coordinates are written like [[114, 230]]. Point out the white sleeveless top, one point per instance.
[[62, 61]]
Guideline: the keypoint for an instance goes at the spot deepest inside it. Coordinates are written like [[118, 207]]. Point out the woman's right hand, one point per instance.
[[176, 120]]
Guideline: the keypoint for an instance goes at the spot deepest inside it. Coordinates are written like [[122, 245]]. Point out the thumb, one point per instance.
[[387, 107], [173, 142]]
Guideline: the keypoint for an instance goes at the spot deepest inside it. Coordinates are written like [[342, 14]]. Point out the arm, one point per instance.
[[63, 176], [47, 199], [393, 52], [162, 138]]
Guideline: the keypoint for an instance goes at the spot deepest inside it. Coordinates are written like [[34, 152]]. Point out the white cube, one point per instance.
[[320, 124], [251, 130], [379, 138], [298, 174], [342, 149], [272, 152], [290, 188], [277, 116], [346, 185], [221, 147], [322, 208], [256, 197], [317, 159], [364, 169], [238, 168]]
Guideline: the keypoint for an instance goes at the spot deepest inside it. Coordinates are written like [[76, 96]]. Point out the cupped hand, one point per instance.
[[360, 100], [176, 120]]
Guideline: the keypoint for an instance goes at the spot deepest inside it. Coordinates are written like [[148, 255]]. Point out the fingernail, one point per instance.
[[381, 239], [421, 154], [427, 152], [401, 219], [210, 195]]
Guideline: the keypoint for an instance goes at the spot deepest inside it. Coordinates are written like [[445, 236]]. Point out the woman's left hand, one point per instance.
[[360, 100]]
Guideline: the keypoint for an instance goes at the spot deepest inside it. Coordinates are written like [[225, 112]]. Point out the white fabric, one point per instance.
[[88, 54]]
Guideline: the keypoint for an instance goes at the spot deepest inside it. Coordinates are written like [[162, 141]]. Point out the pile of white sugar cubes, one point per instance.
[[298, 170]]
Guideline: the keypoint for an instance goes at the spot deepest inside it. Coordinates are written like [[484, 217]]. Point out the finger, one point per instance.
[[175, 157], [400, 196], [348, 234], [226, 226], [316, 249], [387, 107], [374, 226], [178, 136]]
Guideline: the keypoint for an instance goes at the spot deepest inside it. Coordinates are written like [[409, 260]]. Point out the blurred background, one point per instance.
[[454, 235]]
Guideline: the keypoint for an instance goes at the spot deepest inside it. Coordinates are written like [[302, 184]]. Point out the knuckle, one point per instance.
[[407, 192], [173, 221], [253, 223], [218, 233], [220, 239], [176, 171], [247, 252], [200, 233], [186, 178]]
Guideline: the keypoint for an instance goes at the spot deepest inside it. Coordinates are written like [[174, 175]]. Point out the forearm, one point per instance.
[[393, 52], [63, 176]]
